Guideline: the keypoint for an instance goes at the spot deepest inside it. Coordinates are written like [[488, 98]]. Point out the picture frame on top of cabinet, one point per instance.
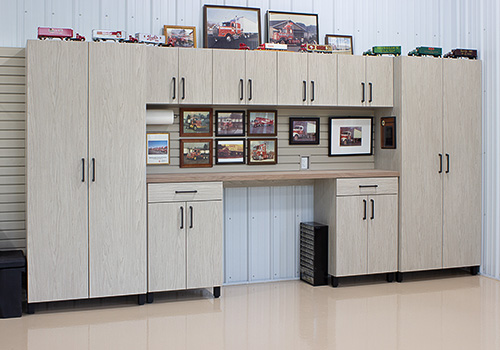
[[262, 123], [350, 136], [158, 148], [230, 151], [303, 131], [196, 153], [226, 27], [292, 28], [195, 122], [230, 123], [180, 36], [262, 151], [341, 44]]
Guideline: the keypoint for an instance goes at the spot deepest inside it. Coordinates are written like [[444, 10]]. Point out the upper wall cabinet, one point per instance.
[[365, 81]]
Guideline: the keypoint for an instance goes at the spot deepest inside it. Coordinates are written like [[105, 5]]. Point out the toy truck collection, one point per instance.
[[426, 51], [462, 53], [58, 33], [383, 50]]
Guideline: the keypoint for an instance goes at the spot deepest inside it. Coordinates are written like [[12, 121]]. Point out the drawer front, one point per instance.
[[184, 192], [367, 186]]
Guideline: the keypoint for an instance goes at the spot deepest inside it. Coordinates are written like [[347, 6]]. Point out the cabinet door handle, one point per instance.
[[440, 163], [193, 191], [312, 90], [364, 201], [83, 169], [373, 209], [191, 216], [182, 218], [304, 98], [183, 81], [251, 89], [174, 82], [371, 92], [447, 163], [93, 169], [363, 92], [366, 186], [241, 89]]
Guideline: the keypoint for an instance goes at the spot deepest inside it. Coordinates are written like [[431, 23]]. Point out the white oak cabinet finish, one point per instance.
[[262, 78], [162, 75], [195, 76], [365, 81], [184, 236]]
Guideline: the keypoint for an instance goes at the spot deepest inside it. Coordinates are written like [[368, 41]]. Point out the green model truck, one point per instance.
[[426, 51], [383, 50]]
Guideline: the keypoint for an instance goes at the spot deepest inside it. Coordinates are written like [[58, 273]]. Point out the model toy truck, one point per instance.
[[259, 152], [58, 33], [426, 51], [259, 121], [462, 53], [383, 50], [273, 46], [150, 39], [316, 48], [105, 35]]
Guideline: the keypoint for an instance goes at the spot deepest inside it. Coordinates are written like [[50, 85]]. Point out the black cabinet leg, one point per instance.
[[399, 277], [150, 297], [390, 277], [474, 270], [141, 299], [30, 308], [335, 282], [216, 292]]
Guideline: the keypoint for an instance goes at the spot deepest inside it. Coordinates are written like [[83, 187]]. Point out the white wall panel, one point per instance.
[[259, 233], [283, 232]]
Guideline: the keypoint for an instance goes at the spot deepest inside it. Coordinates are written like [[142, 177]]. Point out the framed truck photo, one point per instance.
[[293, 29], [262, 151], [196, 153], [226, 27], [195, 122], [158, 145], [340, 43], [230, 151], [262, 123], [179, 36], [230, 123], [350, 136], [303, 131]]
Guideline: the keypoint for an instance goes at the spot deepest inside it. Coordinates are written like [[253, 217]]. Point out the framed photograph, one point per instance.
[[262, 151], [293, 29], [196, 153], [230, 123], [340, 43], [158, 145], [180, 36], [350, 136], [226, 27], [388, 132], [196, 122], [304, 131], [262, 123], [230, 151]]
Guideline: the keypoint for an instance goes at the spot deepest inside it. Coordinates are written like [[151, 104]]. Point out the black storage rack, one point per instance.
[[314, 253]]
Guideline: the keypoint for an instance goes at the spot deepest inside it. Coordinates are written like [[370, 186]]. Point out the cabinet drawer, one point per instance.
[[184, 191], [367, 186]]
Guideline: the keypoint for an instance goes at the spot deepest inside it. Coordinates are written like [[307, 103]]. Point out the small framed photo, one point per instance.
[[196, 122], [350, 136], [262, 151], [304, 131], [196, 153], [340, 43], [230, 151], [226, 27], [230, 123], [262, 123], [158, 145], [388, 132], [179, 36], [293, 29]]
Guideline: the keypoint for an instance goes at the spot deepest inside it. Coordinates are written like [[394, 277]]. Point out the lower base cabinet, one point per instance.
[[185, 236]]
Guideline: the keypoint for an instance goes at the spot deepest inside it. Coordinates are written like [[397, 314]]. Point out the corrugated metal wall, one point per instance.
[[409, 23]]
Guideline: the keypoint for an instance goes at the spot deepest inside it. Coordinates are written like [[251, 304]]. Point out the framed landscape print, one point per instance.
[[196, 153], [340, 43], [230, 151], [226, 27], [195, 122], [179, 36], [303, 131], [293, 29], [262, 151], [262, 123], [230, 123], [158, 145], [350, 136]]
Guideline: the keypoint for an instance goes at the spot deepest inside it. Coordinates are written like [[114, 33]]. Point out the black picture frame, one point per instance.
[[298, 131], [230, 123], [224, 154], [292, 28], [350, 136]]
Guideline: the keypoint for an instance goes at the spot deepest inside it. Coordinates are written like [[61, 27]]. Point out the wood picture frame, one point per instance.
[[341, 44], [230, 151], [226, 27], [262, 123], [230, 123], [262, 151], [180, 36], [292, 28], [196, 153], [350, 136], [195, 122], [303, 131], [158, 148]]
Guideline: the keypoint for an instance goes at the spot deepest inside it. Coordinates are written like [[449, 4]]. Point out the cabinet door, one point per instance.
[[195, 76], [352, 89], [380, 81], [351, 236], [166, 246], [292, 79], [383, 233], [421, 231], [229, 77], [462, 179], [117, 194], [162, 69], [204, 244], [262, 78], [57, 183], [322, 73]]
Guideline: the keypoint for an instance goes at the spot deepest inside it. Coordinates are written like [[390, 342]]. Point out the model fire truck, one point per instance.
[[58, 33], [316, 48], [426, 51], [150, 39], [383, 50], [273, 46], [462, 53], [105, 35]]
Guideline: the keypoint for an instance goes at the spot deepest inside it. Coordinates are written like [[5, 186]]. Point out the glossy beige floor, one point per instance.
[[449, 312]]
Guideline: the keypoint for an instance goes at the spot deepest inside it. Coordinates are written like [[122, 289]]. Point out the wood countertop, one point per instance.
[[268, 176]]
